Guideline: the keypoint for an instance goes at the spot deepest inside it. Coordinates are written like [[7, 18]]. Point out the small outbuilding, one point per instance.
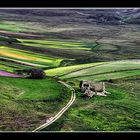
[[91, 88]]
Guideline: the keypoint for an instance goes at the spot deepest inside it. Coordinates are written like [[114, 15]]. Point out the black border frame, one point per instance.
[[70, 4]]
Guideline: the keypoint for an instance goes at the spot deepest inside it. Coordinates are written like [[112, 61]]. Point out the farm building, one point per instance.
[[91, 88]]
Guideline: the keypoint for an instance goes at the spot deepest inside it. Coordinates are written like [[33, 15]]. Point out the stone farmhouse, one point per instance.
[[90, 88]]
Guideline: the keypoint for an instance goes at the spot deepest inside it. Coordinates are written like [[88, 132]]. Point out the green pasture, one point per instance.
[[98, 71], [56, 44], [68, 69], [46, 89], [110, 67], [26, 103], [118, 111], [110, 75], [11, 66]]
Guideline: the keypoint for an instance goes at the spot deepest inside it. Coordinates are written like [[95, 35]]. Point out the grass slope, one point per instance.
[[98, 71], [119, 111], [25, 104], [27, 56], [68, 69], [56, 44]]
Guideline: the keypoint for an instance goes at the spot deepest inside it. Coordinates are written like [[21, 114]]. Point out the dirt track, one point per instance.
[[61, 112]]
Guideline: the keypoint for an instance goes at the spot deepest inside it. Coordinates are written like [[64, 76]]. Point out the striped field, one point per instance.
[[98, 71]]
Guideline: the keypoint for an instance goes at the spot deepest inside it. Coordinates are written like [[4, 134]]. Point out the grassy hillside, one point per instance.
[[107, 68], [98, 71], [68, 69], [7, 65], [72, 45], [119, 111], [25, 104]]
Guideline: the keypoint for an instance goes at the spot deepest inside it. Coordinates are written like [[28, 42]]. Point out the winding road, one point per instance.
[[61, 112]]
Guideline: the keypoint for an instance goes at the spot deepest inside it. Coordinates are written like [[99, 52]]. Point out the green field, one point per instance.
[[119, 111], [98, 71], [21, 26], [11, 68], [107, 68], [25, 103], [27, 56], [12, 26], [68, 69], [111, 75], [57, 44], [70, 45]]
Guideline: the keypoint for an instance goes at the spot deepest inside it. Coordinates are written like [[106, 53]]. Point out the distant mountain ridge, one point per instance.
[[101, 16]]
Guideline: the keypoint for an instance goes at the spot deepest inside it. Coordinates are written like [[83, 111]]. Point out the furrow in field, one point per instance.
[[108, 76], [106, 68], [21, 62], [29, 57]]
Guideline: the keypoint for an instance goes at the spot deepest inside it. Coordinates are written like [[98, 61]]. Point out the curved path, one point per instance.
[[60, 113]]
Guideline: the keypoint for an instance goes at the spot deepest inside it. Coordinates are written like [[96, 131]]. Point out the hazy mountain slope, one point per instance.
[[108, 16]]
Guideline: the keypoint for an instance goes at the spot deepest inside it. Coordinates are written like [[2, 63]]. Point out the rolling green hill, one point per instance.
[[118, 111], [26, 103], [98, 71], [70, 45]]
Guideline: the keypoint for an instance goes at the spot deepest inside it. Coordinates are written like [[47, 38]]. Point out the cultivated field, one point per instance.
[[69, 45], [98, 71]]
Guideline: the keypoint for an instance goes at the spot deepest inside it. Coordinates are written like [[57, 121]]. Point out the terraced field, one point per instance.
[[103, 114], [98, 71], [14, 59], [57, 44], [28, 56], [72, 46], [11, 64], [69, 69]]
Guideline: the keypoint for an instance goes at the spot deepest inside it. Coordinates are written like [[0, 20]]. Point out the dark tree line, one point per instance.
[[33, 73]]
